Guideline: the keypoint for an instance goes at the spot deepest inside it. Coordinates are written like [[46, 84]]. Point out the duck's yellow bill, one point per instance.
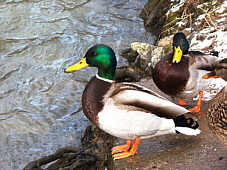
[[177, 54], [79, 65]]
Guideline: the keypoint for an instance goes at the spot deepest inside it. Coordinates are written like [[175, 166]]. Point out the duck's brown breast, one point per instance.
[[171, 78], [92, 98]]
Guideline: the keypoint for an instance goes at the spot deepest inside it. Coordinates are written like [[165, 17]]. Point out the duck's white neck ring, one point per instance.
[[107, 80]]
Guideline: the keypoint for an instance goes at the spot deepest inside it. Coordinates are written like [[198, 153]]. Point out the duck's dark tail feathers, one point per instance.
[[186, 126]]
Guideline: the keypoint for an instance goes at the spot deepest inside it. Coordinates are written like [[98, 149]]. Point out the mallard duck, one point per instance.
[[127, 110], [178, 74]]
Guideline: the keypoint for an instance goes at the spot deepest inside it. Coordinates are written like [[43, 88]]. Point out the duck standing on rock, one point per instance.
[[127, 110], [178, 74]]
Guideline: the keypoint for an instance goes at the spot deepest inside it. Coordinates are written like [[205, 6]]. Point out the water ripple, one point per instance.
[[5, 76]]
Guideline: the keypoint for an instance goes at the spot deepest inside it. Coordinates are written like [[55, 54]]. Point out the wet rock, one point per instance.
[[129, 54], [142, 58], [127, 74], [93, 154], [154, 16], [148, 56]]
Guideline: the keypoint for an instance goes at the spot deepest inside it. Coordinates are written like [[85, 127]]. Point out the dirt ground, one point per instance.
[[202, 152]]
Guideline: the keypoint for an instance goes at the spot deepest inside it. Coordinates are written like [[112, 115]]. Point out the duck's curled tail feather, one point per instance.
[[186, 126]]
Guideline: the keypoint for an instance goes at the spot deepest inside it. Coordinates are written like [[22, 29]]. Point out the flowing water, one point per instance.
[[39, 104]]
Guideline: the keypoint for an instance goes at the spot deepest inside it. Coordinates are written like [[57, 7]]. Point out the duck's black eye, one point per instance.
[[94, 53]]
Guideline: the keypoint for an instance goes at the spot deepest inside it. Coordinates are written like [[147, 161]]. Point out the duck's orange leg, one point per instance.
[[128, 153], [122, 148], [181, 102], [197, 107]]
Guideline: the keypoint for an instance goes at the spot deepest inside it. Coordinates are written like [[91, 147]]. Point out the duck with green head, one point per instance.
[[179, 75], [127, 110]]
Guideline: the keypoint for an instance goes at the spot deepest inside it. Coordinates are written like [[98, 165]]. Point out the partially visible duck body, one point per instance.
[[217, 107], [217, 114]]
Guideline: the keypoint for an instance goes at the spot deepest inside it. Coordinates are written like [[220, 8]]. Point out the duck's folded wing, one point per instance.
[[199, 60], [138, 96]]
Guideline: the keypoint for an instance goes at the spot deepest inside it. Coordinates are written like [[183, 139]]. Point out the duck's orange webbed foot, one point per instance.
[[181, 102], [127, 153], [210, 75], [122, 148], [197, 107]]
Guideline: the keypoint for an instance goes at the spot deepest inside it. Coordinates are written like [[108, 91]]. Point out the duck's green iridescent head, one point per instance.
[[100, 56], [180, 46]]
